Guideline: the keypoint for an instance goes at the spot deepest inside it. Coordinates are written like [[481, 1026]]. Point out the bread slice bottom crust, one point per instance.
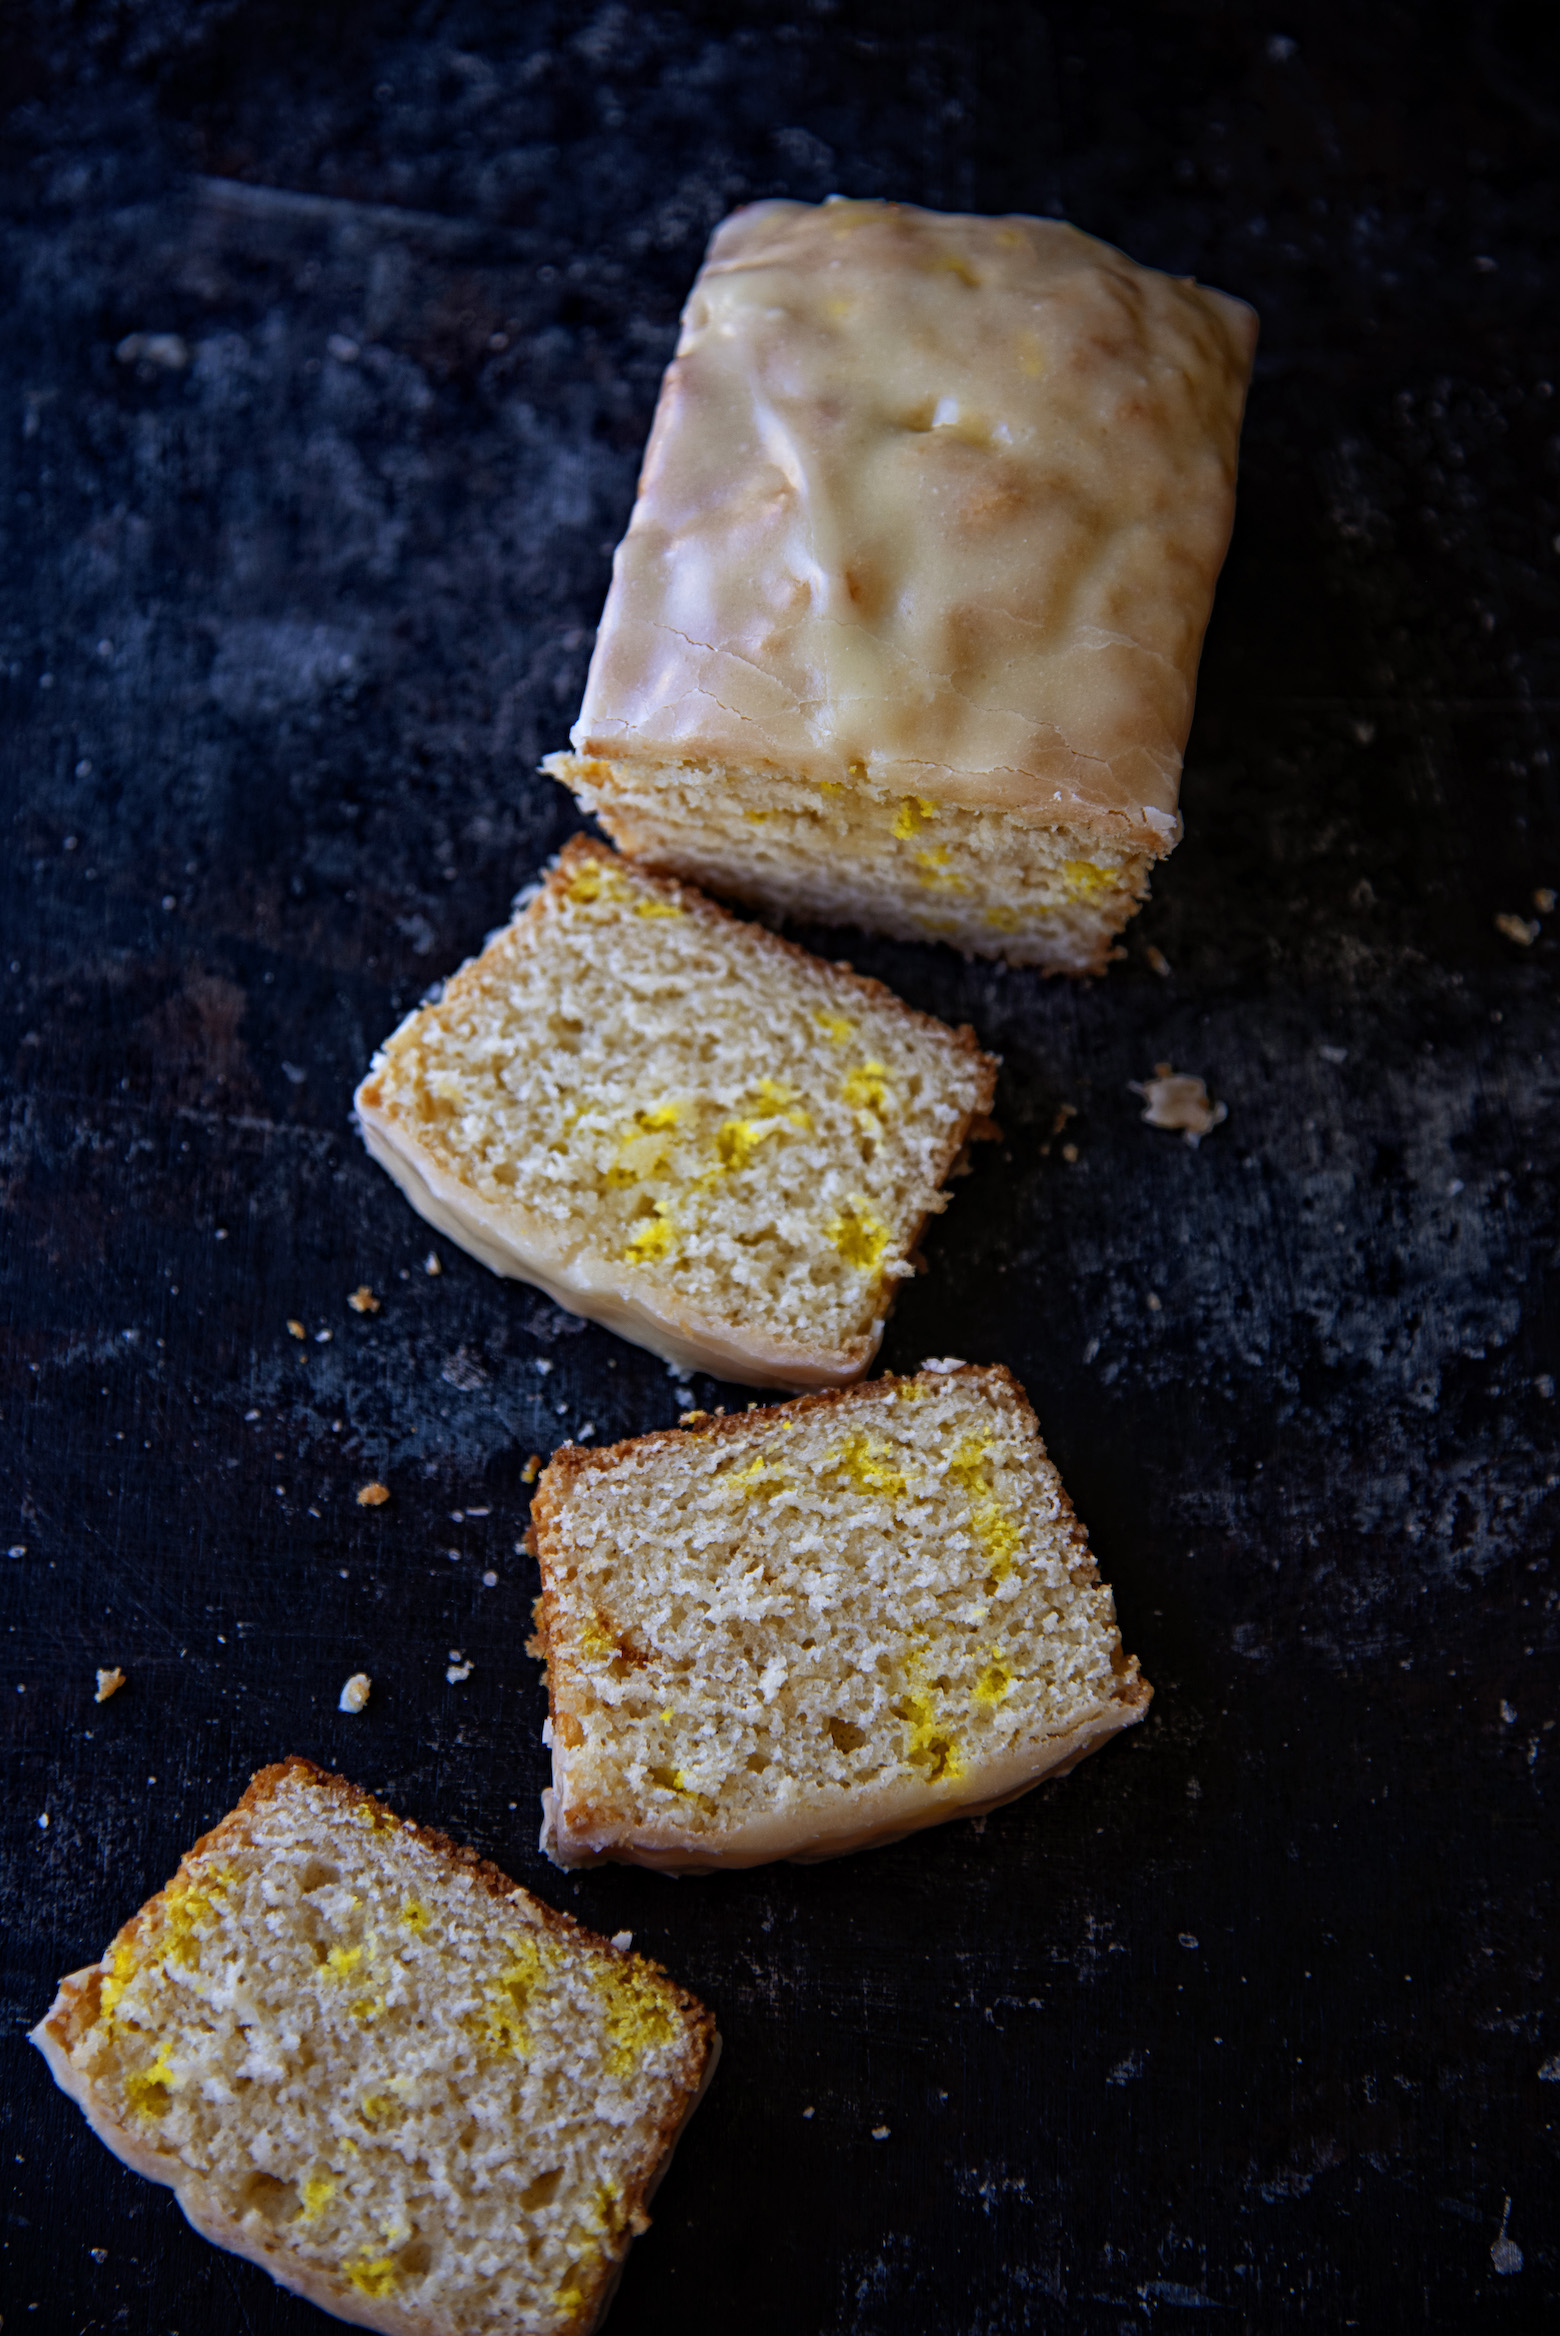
[[75, 2009]]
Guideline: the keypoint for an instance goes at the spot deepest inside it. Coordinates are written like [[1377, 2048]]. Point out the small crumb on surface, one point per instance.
[[622, 1940], [1544, 899], [944, 1363], [356, 1692], [1523, 930], [108, 1683], [880, 2132], [1070, 1155], [456, 1673], [1157, 960], [296, 1327], [373, 1496], [363, 1300], [809, 2112], [431, 1263], [1178, 1100], [490, 1580]]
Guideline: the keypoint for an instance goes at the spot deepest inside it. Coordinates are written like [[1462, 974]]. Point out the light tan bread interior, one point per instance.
[[926, 539], [802, 1630], [679, 1125], [989, 882], [374, 2065]]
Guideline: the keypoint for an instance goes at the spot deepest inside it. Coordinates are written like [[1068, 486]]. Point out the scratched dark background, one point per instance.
[[1255, 2016]]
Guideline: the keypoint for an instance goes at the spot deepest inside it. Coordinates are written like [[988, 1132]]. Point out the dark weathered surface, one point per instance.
[[1253, 2016]]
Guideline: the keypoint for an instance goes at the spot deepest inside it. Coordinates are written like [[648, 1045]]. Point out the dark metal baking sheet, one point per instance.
[[1253, 2017]]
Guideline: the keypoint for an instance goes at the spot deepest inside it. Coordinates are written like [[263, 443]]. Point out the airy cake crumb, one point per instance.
[[373, 1496], [370, 2062], [355, 1694], [363, 1300], [803, 1630], [108, 1683], [679, 1125]]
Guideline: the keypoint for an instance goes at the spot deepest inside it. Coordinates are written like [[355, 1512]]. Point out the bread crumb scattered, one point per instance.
[[944, 1363], [1521, 929], [373, 1496], [457, 1670], [1157, 960], [622, 1940], [1544, 899], [431, 1263], [880, 2132], [1070, 1155], [108, 1683], [1178, 1100], [532, 1469], [296, 1327], [809, 2112], [356, 1692], [363, 1300]]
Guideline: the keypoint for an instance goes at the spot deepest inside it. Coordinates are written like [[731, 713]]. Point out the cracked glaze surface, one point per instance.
[[933, 502]]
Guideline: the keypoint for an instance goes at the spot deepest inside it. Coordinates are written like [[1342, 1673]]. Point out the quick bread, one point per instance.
[[368, 2061], [904, 631], [805, 1630], [678, 1124]]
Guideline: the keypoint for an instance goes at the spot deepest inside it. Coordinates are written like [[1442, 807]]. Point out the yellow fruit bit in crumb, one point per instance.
[[1084, 879], [831, 786], [505, 2025], [639, 2019], [670, 1780], [996, 1528], [373, 2275], [930, 1747], [914, 812], [857, 770], [123, 1966], [373, 1496], [363, 1300], [1003, 920], [377, 1820], [761, 1479], [415, 1915], [668, 1716], [150, 2090], [318, 2192], [342, 1961], [995, 1681], [595, 1639], [860, 1237], [835, 1027], [373, 2106], [871, 1467], [589, 882], [739, 1139], [656, 1238], [757, 817], [932, 868], [866, 1088], [657, 908]]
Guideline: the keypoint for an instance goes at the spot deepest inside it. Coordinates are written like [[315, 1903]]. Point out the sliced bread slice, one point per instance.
[[679, 1125], [368, 2061], [810, 1629]]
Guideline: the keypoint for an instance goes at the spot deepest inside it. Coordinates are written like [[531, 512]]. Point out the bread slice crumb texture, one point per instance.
[[807, 1629], [679, 1124], [370, 2062]]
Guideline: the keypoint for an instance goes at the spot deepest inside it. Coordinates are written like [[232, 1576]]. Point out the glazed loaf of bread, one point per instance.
[[905, 628]]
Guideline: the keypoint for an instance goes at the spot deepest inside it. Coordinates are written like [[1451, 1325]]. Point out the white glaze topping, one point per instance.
[[933, 501]]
